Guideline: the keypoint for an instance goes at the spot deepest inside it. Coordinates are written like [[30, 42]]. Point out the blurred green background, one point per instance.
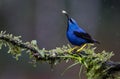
[[43, 21]]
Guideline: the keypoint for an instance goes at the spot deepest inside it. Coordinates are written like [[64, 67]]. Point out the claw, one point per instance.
[[78, 48], [71, 50], [81, 48]]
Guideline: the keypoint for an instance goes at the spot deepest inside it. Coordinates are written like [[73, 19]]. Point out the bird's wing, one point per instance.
[[85, 36]]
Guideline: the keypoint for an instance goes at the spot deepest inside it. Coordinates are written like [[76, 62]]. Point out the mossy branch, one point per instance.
[[97, 65]]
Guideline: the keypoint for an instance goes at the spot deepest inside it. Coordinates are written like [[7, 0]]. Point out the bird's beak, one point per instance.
[[66, 14]]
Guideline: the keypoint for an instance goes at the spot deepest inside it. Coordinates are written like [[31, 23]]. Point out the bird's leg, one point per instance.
[[70, 50], [81, 47]]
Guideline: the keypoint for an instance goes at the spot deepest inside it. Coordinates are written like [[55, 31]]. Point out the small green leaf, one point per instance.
[[34, 42]]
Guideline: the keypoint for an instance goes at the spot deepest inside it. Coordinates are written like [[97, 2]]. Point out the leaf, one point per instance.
[[34, 42]]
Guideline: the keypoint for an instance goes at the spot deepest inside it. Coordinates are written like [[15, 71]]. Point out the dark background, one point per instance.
[[43, 21]]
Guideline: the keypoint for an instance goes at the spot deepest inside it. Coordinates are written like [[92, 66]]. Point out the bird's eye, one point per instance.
[[71, 20]]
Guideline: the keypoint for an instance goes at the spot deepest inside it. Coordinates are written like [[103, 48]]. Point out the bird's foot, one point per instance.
[[81, 48], [77, 49], [74, 48]]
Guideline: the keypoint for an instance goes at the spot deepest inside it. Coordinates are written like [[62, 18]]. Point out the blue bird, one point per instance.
[[76, 35]]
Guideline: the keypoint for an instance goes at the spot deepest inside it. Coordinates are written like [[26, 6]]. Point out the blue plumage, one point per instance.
[[75, 34]]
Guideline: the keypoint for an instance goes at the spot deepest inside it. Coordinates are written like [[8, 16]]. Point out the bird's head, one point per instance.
[[72, 24], [70, 20]]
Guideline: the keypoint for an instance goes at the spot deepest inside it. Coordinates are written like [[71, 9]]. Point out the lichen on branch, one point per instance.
[[97, 65]]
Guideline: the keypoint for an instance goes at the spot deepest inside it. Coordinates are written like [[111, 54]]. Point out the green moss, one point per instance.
[[88, 58]]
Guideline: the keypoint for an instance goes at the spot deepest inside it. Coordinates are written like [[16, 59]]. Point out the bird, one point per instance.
[[76, 35]]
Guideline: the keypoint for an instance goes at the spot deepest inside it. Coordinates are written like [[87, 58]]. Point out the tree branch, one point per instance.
[[98, 65]]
